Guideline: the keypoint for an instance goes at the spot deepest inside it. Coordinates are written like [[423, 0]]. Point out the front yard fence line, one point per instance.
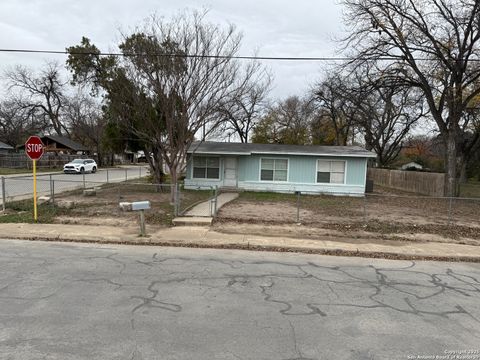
[[299, 207]]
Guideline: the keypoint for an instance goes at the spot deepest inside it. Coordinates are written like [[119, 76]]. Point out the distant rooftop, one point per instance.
[[62, 140], [5, 146], [69, 143], [220, 148]]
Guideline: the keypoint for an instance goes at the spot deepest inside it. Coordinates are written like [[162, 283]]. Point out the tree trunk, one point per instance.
[[173, 184], [463, 178], [156, 167], [451, 165]]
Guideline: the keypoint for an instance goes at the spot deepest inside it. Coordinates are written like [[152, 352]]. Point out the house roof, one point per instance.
[[225, 148], [62, 140], [66, 142], [5, 146]]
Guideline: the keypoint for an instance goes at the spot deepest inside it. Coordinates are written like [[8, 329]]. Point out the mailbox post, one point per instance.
[[141, 206]]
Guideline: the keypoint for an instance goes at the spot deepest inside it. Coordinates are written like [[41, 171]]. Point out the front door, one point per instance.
[[230, 172]]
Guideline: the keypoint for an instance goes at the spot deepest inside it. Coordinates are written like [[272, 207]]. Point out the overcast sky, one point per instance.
[[272, 27]]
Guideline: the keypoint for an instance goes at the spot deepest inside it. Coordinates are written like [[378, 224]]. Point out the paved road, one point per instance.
[[20, 186], [67, 301]]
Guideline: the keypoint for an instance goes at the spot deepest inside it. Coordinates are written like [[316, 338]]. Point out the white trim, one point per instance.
[[219, 153], [366, 173], [273, 181], [330, 183], [332, 189], [206, 178], [280, 154]]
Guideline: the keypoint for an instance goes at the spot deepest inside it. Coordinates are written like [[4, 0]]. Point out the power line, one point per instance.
[[239, 57]]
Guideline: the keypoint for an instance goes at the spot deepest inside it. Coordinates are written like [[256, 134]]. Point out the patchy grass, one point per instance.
[[266, 196], [470, 189], [333, 205], [190, 198], [22, 212]]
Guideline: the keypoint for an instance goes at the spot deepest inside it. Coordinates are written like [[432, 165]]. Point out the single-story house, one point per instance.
[[278, 168], [5, 148]]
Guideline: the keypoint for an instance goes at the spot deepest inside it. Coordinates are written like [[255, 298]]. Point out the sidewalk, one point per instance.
[[204, 237], [205, 208]]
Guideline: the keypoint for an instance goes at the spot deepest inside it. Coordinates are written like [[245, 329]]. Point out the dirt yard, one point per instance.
[[103, 207], [383, 214]]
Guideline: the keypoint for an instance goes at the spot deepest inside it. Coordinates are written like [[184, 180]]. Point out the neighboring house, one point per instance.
[[411, 166], [61, 145], [5, 148], [278, 168]]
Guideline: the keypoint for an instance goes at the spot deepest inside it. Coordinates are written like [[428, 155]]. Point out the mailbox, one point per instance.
[[140, 205]]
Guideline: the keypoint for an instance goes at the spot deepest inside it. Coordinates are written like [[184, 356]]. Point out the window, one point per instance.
[[274, 170], [206, 167], [332, 172]]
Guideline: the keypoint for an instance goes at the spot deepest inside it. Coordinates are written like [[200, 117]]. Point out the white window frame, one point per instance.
[[273, 181], [330, 183], [206, 156]]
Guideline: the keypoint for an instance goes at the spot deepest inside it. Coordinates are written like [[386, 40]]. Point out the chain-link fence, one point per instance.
[[97, 197], [197, 203], [102, 198], [387, 213], [14, 188]]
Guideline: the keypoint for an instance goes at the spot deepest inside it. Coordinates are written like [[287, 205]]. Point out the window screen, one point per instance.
[[332, 172], [274, 170], [205, 167]]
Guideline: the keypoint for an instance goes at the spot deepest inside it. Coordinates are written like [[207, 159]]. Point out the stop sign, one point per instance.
[[34, 147]]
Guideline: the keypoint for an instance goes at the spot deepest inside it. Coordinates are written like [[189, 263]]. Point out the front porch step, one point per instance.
[[229, 189], [192, 221]]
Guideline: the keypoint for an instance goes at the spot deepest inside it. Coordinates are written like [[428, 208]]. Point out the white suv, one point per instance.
[[80, 166]]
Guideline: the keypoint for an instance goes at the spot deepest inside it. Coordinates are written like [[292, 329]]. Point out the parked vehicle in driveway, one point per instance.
[[80, 166]]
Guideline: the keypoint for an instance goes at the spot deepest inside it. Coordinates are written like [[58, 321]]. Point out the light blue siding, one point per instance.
[[356, 171], [301, 175], [248, 168], [302, 169]]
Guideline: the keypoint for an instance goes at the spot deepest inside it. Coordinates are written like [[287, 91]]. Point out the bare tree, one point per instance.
[[288, 122], [247, 104], [384, 112], [386, 117], [197, 74], [17, 123], [42, 94], [330, 98], [87, 122], [432, 45]]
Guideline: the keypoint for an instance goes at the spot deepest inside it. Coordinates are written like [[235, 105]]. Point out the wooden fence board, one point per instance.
[[424, 183]]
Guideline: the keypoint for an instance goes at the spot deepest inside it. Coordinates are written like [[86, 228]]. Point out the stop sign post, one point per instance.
[[34, 149]]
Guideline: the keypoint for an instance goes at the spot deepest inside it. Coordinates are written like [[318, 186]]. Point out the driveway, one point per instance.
[[21, 186], [72, 301]]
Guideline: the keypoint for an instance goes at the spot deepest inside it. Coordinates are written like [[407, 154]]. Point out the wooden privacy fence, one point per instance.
[[20, 160], [431, 184]]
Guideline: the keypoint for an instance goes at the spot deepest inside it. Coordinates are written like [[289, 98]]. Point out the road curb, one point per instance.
[[271, 248]]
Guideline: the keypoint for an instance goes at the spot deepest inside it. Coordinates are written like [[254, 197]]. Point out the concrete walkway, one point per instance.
[[205, 209], [207, 238]]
